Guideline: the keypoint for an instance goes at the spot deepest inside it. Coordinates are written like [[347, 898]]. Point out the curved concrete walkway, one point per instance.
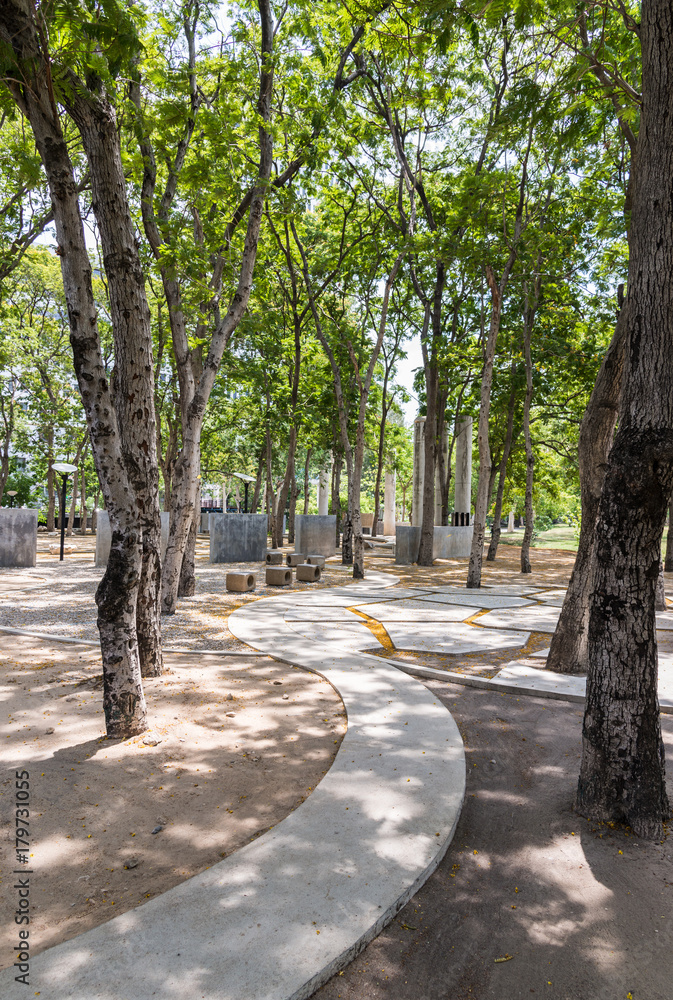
[[276, 919]]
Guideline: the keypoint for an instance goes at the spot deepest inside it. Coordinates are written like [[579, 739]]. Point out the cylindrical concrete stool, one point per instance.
[[295, 558], [240, 582], [278, 576], [274, 558], [315, 561], [307, 573]]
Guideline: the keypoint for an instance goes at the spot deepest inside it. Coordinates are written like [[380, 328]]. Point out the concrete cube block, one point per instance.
[[274, 557], [316, 533], [407, 544], [104, 536], [240, 583], [295, 558], [314, 560], [237, 537], [278, 576], [18, 536], [308, 573]]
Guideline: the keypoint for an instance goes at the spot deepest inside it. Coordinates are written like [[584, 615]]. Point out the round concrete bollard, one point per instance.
[[295, 558], [274, 558], [307, 573], [240, 583], [316, 561], [278, 576]]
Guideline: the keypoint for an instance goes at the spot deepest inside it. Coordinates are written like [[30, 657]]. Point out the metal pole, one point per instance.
[[65, 479], [246, 498]]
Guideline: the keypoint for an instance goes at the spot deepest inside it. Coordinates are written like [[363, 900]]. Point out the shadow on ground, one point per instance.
[[578, 911]]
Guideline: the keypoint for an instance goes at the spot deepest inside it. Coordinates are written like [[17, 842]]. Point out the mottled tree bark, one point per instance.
[[134, 366], [622, 773], [430, 364], [336, 493], [31, 86], [307, 487], [483, 487], [568, 653], [502, 475], [294, 493], [532, 297]]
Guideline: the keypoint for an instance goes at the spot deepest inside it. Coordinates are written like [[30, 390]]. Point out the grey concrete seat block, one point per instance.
[[308, 573], [18, 536], [240, 583], [278, 576], [295, 558], [274, 557], [314, 560]]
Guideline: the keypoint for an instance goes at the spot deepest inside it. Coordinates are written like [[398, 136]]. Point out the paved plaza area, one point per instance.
[[513, 895]]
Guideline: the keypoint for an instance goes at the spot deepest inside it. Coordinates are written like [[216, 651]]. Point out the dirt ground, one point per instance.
[[239, 744], [530, 900]]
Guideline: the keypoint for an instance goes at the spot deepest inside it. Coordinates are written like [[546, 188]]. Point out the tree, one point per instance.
[[120, 416], [622, 774]]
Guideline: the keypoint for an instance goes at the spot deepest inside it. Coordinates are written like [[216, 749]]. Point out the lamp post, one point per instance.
[[65, 469], [11, 494]]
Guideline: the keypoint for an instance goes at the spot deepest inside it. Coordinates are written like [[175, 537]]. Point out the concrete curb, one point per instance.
[[566, 687], [94, 642]]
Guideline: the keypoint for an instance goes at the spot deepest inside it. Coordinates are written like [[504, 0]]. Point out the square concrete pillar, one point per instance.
[[389, 504], [407, 543], [463, 501], [104, 536], [315, 533], [418, 482], [237, 538], [18, 536], [452, 542]]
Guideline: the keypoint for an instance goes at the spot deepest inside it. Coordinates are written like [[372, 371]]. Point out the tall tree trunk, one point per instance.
[[187, 586], [134, 384], [379, 454], [336, 492], [30, 85], [430, 364], [294, 493], [531, 300], [270, 499], [502, 475], [51, 493], [258, 484], [83, 512], [483, 496], [622, 774], [307, 487], [497, 294], [73, 503], [568, 653]]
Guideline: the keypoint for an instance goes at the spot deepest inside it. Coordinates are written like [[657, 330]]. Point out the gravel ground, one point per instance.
[[59, 597]]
